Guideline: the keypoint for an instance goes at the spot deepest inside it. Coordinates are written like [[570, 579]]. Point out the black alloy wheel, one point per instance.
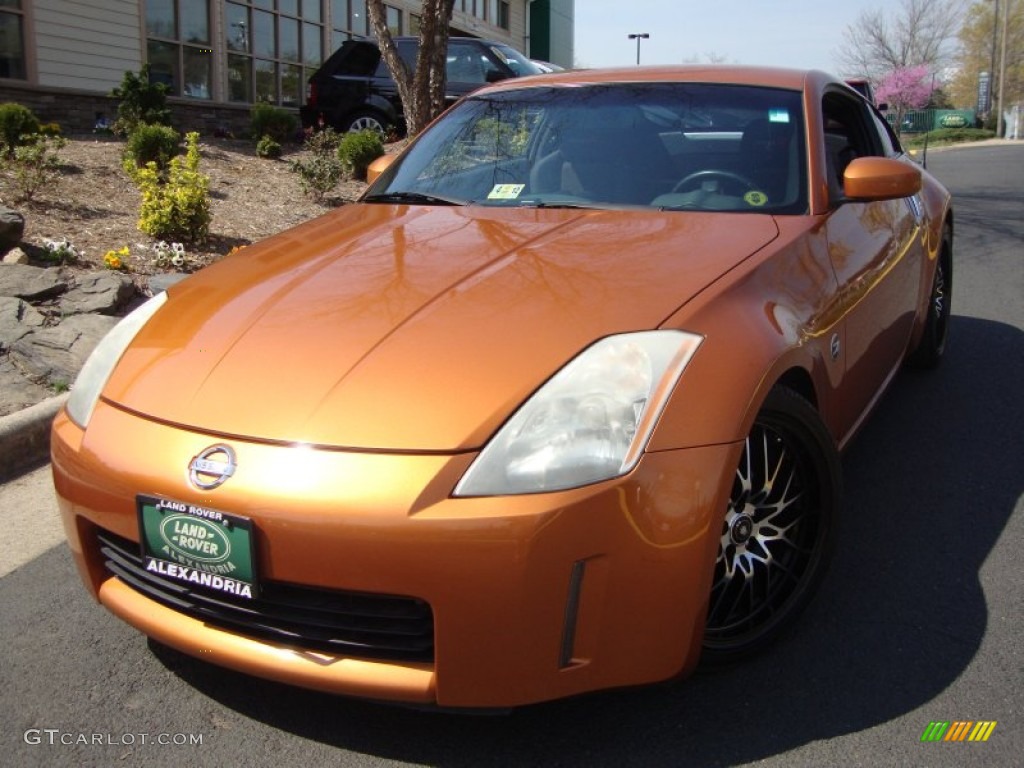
[[778, 530], [929, 351]]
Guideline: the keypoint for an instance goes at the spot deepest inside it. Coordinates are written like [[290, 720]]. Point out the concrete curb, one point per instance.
[[25, 436]]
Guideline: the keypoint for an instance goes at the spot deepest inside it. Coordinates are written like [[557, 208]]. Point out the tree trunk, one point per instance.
[[421, 91]]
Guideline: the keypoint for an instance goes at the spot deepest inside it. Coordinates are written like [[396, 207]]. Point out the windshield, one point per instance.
[[515, 61], [670, 146]]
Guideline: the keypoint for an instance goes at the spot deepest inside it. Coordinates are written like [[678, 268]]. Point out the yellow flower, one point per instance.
[[116, 259]]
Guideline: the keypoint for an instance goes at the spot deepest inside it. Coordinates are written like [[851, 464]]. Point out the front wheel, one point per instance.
[[778, 531]]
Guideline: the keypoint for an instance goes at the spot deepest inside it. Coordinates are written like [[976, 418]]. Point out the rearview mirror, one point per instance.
[[880, 178]]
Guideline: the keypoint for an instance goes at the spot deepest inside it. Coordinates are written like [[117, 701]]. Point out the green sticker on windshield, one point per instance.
[[756, 198], [506, 191]]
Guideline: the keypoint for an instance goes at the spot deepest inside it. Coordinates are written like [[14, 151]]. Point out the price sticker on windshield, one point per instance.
[[506, 191]]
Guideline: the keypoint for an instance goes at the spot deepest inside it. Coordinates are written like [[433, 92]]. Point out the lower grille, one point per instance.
[[353, 623]]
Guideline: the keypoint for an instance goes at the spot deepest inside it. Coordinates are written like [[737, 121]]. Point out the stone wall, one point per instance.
[[77, 111]]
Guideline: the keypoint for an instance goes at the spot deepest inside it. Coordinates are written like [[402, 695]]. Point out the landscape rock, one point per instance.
[[103, 292], [19, 391], [31, 283], [12, 227], [16, 256], [17, 319], [55, 355]]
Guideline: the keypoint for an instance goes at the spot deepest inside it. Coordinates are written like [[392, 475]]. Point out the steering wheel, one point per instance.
[[713, 173]]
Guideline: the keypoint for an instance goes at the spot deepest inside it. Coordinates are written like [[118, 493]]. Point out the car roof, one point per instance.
[[415, 39], [774, 77]]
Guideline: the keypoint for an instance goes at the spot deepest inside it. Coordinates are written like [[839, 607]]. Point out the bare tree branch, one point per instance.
[[422, 90], [913, 33]]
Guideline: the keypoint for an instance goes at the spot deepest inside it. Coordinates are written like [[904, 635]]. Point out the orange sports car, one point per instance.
[[557, 406]]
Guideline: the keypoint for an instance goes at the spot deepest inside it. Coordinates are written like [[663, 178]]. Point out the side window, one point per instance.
[[849, 133], [465, 64], [891, 146], [407, 52]]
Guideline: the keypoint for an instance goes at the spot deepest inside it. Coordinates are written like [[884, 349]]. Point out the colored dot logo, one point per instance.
[[958, 730]]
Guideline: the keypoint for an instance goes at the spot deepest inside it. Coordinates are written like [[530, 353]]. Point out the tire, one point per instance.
[[931, 347], [366, 120], [778, 531]]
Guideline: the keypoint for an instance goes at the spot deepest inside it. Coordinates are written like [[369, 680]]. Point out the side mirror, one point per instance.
[[378, 166], [880, 178]]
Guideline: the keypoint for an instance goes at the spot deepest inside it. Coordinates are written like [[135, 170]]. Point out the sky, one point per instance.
[[791, 33]]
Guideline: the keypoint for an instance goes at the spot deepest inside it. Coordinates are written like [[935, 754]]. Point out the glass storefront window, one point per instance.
[[360, 22], [239, 78], [12, 46], [393, 19], [312, 47], [160, 18], [291, 85], [266, 81], [263, 41], [236, 23], [195, 21], [276, 46], [163, 64], [288, 35], [198, 67]]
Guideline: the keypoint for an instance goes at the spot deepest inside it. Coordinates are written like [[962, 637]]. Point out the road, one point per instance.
[[919, 619]]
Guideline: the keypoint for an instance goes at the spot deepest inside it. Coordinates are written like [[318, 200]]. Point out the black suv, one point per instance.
[[353, 90]]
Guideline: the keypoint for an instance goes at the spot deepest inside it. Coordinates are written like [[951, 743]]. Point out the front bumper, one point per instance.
[[533, 597]]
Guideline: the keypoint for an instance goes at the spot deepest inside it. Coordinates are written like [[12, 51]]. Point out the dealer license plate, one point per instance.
[[197, 545]]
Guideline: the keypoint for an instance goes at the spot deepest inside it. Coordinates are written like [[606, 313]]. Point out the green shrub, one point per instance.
[[141, 101], [34, 166], [322, 171], [50, 129], [16, 122], [951, 136], [275, 122], [357, 150], [178, 209], [268, 148], [151, 144]]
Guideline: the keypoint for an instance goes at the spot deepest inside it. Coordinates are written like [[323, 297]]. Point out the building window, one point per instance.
[[393, 19], [12, 40], [272, 48], [348, 19], [178, 46]]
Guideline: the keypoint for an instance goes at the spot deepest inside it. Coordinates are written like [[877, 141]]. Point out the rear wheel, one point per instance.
[[777, 535], [929, 351], [366, 120]]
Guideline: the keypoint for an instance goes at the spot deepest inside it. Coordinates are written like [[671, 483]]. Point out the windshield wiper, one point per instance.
[[411, 197], [561, 204]]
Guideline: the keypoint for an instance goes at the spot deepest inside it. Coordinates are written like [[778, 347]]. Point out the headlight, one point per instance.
[[589, 422], [97, 369]]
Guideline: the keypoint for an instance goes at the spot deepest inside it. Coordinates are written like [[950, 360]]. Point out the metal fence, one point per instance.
[[922, 120]]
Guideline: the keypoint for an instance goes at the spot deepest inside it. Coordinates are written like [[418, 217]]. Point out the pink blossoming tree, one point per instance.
[[905, 88]]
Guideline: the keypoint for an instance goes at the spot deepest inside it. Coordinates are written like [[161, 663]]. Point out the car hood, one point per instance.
[[413, 328]]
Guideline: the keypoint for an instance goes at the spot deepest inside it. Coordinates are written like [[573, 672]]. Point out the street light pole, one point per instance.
[[638, 36], [1002, 70]]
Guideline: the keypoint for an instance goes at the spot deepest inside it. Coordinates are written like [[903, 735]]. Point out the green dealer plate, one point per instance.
[[197, 545]]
